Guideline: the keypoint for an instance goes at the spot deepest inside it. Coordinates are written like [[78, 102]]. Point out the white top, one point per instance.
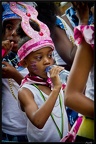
[[70, 35], [14, 121], [89, 92], [90, 85], [58, 59], [49, 132], [68, 30]]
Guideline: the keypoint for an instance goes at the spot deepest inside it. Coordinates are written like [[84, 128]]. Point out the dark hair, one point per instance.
[[47, 12], [23, 40], [23, 35], [90, 4], [4, 23], [4, 26], [20, 31]]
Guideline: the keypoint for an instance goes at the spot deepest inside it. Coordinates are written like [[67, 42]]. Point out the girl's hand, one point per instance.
[[7, 46], [54, 75], [82, 10], [8, 71]]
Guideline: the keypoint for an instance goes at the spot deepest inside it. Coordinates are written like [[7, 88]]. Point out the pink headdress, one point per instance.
[[39, 39]]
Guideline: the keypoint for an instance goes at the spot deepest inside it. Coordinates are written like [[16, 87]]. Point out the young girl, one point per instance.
[[14, 122], [42, 100]]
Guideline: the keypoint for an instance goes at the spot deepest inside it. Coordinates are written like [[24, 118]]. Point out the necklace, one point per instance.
[[68, 30], [12, 59], [60, 132], [70, 36], [56, 104], [10, 85]]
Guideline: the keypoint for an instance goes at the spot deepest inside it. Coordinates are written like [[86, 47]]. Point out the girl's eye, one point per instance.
[[9, 27], [50, 55], [38, 57]]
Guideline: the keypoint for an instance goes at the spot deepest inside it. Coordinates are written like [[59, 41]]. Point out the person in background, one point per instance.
[[61, 32], [14, 121], [61, 28], [82, 73]]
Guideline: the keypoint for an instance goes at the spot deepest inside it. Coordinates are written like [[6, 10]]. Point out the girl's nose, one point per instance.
[[46, 60], [14, 33]]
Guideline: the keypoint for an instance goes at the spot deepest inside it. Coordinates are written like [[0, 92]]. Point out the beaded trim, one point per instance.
[[68, 30], [10, 85]]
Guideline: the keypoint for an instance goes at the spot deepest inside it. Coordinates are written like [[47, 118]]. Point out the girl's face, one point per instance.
[[10, 32], [38, 61]]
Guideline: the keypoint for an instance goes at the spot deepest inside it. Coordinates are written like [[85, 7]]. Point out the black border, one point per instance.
[[1, 59]]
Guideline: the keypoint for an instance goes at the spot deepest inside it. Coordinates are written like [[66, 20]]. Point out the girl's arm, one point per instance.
[[64, 47], [39, 116], [8, 71], [74, 97]]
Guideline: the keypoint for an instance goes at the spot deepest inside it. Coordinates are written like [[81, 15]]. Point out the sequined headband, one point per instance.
[[39, 39]]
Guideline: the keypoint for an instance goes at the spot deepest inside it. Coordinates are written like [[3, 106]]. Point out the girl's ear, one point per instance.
[[23, 63]]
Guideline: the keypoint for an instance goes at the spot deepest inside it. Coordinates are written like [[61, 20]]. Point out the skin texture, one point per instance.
[[7, 45], [92, 9], [82, 11], [10, 32], [10, 40], [83, 62], [42, 58], [74, 97], [37, 59], [64, 47]]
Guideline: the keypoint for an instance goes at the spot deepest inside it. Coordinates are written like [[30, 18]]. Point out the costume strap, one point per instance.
[[67, 29]]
